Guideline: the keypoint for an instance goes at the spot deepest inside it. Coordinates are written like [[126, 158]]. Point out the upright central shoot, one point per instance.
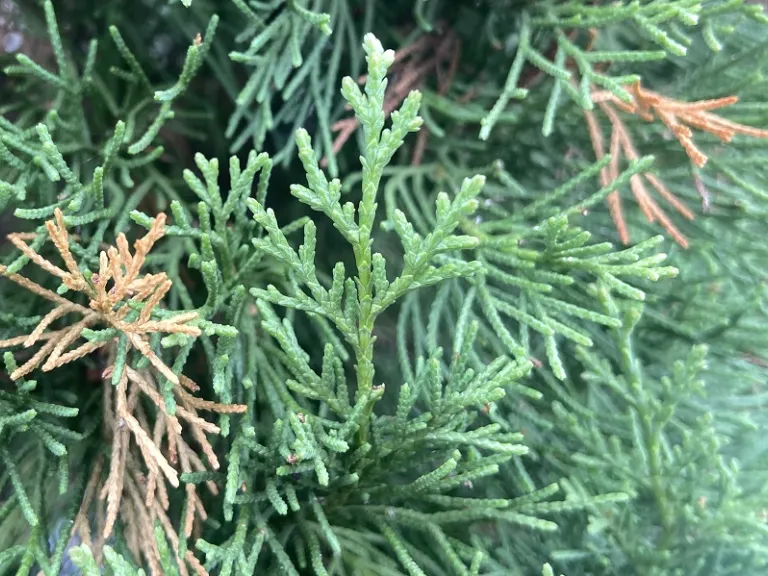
[[353, 304]]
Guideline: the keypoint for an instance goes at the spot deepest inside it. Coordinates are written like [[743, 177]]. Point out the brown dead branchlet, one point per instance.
[[149, 448], [680, 118]]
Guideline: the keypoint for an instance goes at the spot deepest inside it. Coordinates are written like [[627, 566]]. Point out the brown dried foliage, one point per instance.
[[148, 449], [679, 118], [107, 307]]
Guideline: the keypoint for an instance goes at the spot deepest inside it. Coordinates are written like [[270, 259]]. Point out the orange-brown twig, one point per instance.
[[678, 117], [621, 145]]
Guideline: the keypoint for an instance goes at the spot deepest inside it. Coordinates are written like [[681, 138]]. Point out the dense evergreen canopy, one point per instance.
[[346, 287]]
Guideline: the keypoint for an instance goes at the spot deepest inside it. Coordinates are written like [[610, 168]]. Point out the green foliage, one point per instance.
[[307, 456], [82, 557], [290, 57], [660, 24], [82, 102], [449, 367], [655, 438], [534, 263]]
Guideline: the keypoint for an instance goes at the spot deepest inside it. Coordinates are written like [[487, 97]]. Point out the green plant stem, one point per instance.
[[649, 436], [364, 349]]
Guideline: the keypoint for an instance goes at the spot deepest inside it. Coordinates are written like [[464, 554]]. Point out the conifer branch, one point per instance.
[[456, 382], [409, 70], [125, 301], [678, 117]]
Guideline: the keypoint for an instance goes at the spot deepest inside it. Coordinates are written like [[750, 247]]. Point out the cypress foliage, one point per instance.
[[343, 287]]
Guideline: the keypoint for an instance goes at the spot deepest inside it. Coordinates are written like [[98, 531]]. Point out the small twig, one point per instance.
[[411, 67], [703, 193]]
